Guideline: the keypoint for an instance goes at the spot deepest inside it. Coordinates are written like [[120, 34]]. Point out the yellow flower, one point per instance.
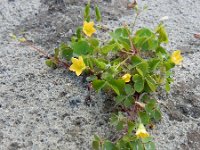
[[176, 57], [78, 65], [141, 131], [22, 40], [88, 28], [126, 77]]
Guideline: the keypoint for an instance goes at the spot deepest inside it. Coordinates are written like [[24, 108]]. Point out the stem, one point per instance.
[[44, 53], [121, 63], [133, 48], [126, 52], [134, 22]]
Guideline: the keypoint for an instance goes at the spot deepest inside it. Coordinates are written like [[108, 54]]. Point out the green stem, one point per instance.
[[123, 62]]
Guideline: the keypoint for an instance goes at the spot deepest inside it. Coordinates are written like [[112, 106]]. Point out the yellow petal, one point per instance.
[[176, 57], [74, 60], [78, 65], [88, 28], [141, 132], [81, 62], [78, 72], [126, 77], [80, 58], [73, 67], [91, 24], [22, 40]]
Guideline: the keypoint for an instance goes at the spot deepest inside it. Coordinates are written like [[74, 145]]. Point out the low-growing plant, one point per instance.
[[129, 65]]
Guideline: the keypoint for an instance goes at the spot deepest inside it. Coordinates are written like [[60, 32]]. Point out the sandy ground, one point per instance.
[[44, 109]]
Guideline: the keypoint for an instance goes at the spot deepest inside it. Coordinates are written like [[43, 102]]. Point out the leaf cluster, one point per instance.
[[141, 55]]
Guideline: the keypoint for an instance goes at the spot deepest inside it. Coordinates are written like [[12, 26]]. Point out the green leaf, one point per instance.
[[66, 52], [157, 115], [100, 64], [142, 68], [167, 86], [108, 146], [114, 119], [128, 102], [120, 98], [147, 139], [137, 145], [136, 60], [81, 48], [116, 85], [125, 43], [119, 33], [150, 106], [144, 32], [93, 42], [163, 37], [98, 13], [153, 64], [131, 127], [78, 32], [169, 65], [162, 51], [91, 78], [107, 48], [50, 63], [97, 138], [56, 52], [98, 84], [144, 117], [129, 89], [150, 146], [120, 125], [121, 36], [145, 39], [87, 13], [138, 82], [151, 83], [96, 145]]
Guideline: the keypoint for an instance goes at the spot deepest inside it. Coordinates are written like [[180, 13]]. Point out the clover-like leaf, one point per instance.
[[81, 48], [50, 63], [66, 51], [144, 117], [138, 82], [136, 60], [151, 83], [142, 68], [98, 84], [145, 39], [107, 48]]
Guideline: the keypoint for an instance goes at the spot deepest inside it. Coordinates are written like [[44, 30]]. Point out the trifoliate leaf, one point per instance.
[[81, 48]]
